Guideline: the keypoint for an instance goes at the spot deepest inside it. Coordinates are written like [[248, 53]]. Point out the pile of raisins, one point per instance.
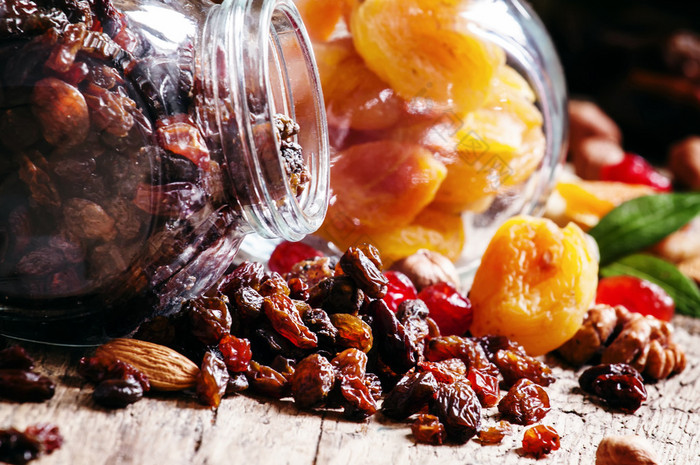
[[323, 335], [18, 381]]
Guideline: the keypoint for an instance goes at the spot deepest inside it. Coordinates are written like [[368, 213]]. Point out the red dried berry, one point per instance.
[[287, 254], [400, 288], [451, 310], [236, 353], [540, 440], [636, 295], [634, 169]]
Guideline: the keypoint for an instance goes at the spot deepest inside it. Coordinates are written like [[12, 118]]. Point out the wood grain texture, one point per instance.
[[173, 429]]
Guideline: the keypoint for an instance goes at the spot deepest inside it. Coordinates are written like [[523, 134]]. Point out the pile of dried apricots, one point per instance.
[[426, 119]]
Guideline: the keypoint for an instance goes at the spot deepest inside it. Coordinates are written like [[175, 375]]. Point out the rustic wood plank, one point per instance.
[[174, 429]]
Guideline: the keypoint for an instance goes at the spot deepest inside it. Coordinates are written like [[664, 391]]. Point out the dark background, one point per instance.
[[639, 60]]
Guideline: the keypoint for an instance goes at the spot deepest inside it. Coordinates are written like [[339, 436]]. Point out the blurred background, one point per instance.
[[639, 60]]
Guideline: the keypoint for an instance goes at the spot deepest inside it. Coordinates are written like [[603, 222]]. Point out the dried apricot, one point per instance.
[[414, 44], [320, 16], [535, 283]]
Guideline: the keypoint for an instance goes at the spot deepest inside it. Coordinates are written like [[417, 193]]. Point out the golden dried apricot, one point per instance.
[[535, 283], [382, 185], [320, 16], [423, 49], [355, 97]]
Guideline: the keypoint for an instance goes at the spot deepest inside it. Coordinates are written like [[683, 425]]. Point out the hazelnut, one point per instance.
[[425, 268], [625, 450], [590, 154], [685, 162]]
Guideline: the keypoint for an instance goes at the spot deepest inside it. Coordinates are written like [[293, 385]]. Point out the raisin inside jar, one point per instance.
[[130, 166]]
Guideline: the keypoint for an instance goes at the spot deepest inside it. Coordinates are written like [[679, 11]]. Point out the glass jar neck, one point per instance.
[[256, 63]]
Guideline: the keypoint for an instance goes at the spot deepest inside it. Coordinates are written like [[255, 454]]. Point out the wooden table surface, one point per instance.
[[174, 429]]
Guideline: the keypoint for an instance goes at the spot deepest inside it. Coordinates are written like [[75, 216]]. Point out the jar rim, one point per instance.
[[270, 69]]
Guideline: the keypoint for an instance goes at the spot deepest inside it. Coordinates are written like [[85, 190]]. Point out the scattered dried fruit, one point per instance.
[[540, 440]]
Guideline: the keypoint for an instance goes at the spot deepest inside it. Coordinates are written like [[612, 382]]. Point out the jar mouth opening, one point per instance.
[[277, 74]]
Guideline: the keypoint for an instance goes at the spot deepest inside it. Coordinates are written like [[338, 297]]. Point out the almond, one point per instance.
[[166, 369]]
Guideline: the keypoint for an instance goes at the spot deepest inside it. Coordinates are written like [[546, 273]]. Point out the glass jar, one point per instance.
[[140, 141], [445, 119]]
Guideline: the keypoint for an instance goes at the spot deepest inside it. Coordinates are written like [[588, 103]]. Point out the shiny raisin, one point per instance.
[[247, 301], [285, 318], [236, 353], [212, 380], [62, 111], [619, 385], [350, 362], [445, 371], [525, 403], [540, 440], [515, 366], [352, 332], [492, 344], [465, 349], [102, 367], [427, 429], [358, 401], [338, 294], [267, 381], [365, 271], [394, 344], [320, 323], [458, 408], [25, 386], [410, 395], [209, 318], [117, 393], [313, 271], [485, 386], [494, 434], [312, 380], [247, 274]]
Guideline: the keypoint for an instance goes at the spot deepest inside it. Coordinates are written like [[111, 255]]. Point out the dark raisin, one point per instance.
[[117, 393], [320, 323], [285, 318], [247, 301], [272, 284], [364, 271], [619, 385], [15, 357], [515, 366], [212, 380], [25, 386], [525, 403], [298, 289], [540, 440], [352, 332], [410, 395], [458, 408], [62, 112], [427, 429], [17, 447], [312, 380], [87, 220], [236, 353], [209, 318], [313, 271], [102, 367], [247, 274], [492, 344], [396, 347], [338, 294]]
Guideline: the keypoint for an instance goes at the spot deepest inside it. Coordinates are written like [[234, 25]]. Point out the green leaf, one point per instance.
[[683, 291], [642, 222]]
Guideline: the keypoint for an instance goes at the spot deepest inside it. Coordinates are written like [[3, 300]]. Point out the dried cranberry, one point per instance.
[[287, 254], [47, 434], [236, 353], [619, 385], [399, 288], [451, 310], [634, 169], [636, 295], [540, 440]]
